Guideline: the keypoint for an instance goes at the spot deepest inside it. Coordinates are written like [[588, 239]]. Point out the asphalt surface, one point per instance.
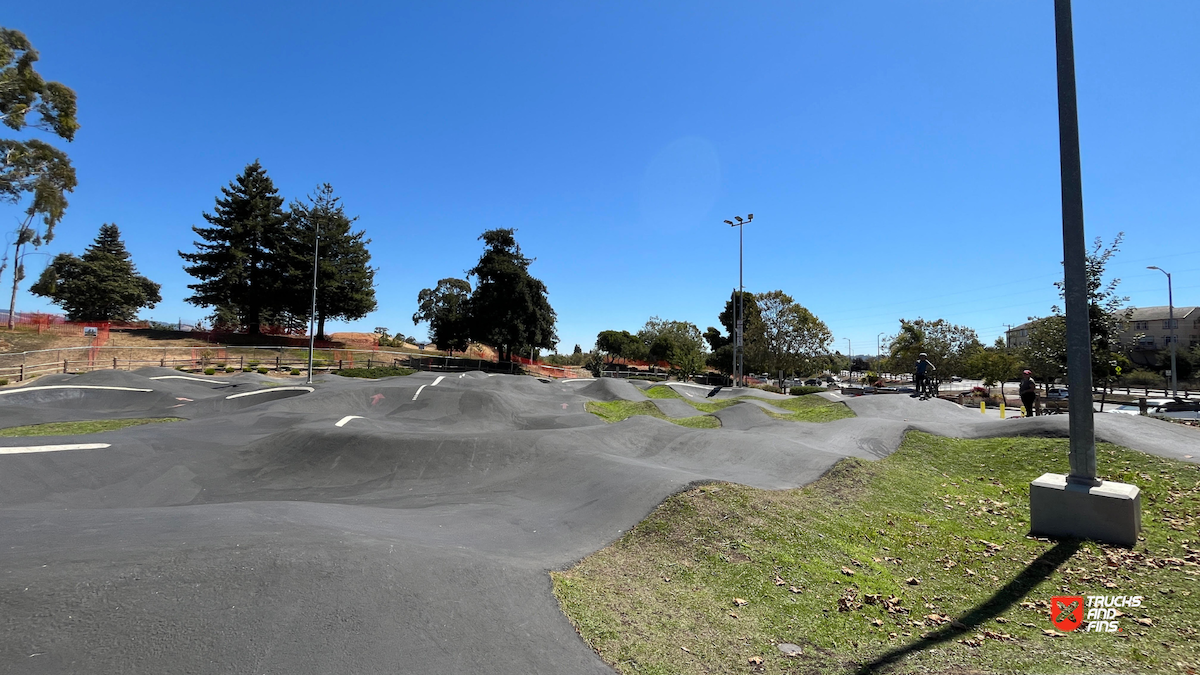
[[403, 525]]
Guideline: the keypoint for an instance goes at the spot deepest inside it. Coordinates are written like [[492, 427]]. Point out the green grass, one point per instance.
[[83, 427], [804, 408], [376, 372], [616, 411], [661, 391], [720, 574], [811, 408]]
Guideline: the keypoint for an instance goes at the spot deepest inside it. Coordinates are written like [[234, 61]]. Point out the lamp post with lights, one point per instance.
[[739, 361], [1171, 323]]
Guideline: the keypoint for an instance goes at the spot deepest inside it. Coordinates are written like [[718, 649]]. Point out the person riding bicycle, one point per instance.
[[921, 376]]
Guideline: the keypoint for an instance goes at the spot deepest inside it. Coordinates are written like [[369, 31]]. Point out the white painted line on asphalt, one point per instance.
[[419, 391], [439, 379], [185, 377], [580, 379], [71, 386], [266, 391], [52, 448], [347, 418]]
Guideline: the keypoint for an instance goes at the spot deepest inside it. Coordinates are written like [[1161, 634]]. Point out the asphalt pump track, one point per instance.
[[403, 525]]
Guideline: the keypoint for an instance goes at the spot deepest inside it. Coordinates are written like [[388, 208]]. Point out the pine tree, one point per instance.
[[239, 262], [345, 278], [102, 285], [509, 309]]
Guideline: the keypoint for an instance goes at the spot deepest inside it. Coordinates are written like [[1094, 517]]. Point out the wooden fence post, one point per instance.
[[339, 364], [114, 363], [64, 366], [276, 363], [21, 377]]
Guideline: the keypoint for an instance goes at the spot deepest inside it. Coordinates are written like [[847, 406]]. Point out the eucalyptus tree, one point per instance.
[[32, 170]]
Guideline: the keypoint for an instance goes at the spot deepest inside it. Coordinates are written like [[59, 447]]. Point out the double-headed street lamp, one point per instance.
[[1171, 323], [738, 346]]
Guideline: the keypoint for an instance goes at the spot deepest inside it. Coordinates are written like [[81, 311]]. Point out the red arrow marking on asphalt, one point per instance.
[[376, 399]]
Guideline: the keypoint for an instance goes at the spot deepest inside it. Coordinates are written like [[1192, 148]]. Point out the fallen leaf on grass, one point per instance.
[[1052, 633], [739, 602], [876, 622], [913, 581], [779, 581], [1145, 621], [755, 660], [847, 571], [733, 615], [796, 589]]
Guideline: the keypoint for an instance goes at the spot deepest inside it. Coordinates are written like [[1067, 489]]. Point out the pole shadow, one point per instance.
[[1008, 595]]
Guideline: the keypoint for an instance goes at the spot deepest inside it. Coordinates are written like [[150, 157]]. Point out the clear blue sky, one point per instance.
[[901, 158]]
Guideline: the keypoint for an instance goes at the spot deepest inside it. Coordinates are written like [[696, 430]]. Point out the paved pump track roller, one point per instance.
[[363, 528]]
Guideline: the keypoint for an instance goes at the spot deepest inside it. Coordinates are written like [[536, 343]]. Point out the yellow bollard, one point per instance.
[[983, 407], [1002, 410]]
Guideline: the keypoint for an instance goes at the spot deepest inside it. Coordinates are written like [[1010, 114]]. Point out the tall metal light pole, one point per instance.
[[1079, 343], [312, 317], [1171, 319], [739, 359], [850, 368]]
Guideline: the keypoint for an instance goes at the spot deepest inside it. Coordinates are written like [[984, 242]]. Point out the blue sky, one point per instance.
[[901, 159]]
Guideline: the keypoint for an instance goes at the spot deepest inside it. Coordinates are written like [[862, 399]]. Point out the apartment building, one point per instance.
[[1148, 329]]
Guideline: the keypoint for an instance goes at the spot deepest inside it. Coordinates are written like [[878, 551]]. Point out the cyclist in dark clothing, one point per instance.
[[921, 376], [1028, 390]]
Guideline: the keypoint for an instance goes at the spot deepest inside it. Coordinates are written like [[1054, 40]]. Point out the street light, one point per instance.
[[1171, 320], [312, 317], [739, 361], [850, 368]]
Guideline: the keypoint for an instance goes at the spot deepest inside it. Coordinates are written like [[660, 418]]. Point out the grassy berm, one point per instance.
[[918, 563], [81, 427]]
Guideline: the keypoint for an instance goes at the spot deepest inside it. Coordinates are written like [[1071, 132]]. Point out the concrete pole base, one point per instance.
[[1110, 512]]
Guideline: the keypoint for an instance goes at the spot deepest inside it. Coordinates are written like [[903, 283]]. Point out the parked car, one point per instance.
[[1163, 407], [1057, 393], [905, 389], [813, 383], [955, 378]]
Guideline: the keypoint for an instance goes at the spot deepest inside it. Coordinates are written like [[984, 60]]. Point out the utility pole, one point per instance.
[[1078, 505], [739, 347], [1079, 341], [1171, 323]]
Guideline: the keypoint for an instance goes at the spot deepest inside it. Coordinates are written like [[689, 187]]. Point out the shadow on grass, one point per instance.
[[1012, 592]]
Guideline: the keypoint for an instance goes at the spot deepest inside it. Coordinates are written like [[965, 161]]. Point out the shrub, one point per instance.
[[210, 371], [181, 369], [220, 365], [263, 371], [295, 371], [801, 391], [247, 369], [3, 381], [230, 369], [252, 364], [769, 387], [377, 372], [1144, 378]]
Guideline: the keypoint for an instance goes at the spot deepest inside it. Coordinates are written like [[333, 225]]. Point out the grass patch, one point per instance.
[[811, 408], [717, 576], [661, 391], [804, 408], [376, 372], [616, 411], [82, 427]]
